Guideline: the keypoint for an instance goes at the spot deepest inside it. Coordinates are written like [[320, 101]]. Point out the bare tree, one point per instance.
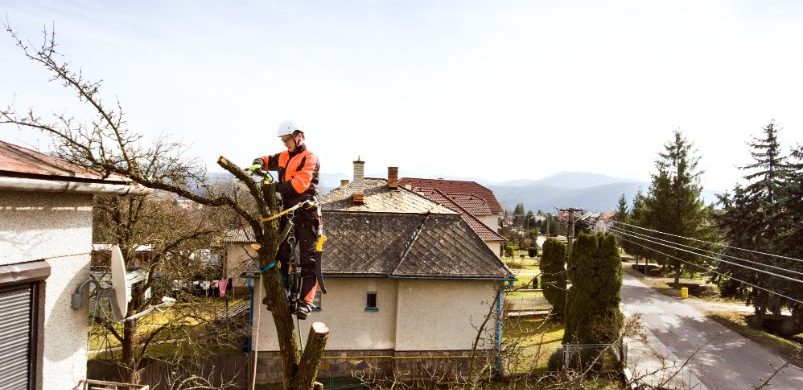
[[104, 143]]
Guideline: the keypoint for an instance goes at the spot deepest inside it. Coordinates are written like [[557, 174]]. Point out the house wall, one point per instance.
[[496, 247], [56, 228], [492, 221], [442, 314], [237, 254], [421, 326], [343, 311]]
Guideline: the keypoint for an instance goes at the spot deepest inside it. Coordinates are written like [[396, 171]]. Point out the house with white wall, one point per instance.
[[45, 246], [408, 284]]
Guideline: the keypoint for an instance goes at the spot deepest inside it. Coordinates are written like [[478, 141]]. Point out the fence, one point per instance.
[[603, 357]]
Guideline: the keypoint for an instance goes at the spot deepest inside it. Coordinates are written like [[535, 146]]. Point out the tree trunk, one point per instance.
[[677, 274], [760, 305], [129, 343], [308, 367]]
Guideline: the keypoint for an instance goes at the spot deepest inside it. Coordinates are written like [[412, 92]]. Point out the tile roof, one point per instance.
[[472, 203], [482, 230], [435, 246], [16, 160], [379, 198], [450, 187]]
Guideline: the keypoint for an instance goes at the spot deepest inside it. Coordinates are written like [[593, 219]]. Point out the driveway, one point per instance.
[[678, 331]]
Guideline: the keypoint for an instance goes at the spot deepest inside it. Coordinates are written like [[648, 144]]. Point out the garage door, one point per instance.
[[17, 336]]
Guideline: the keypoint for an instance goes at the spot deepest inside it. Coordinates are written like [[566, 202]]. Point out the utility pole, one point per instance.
[[570, 233], [548, 217]]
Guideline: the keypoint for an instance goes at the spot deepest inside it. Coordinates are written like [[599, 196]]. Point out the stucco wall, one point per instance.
[[236, 256], [36, 226], [492, 221], [65, 329], [56, 228], [442, 315], [343, 311], [496, 247]]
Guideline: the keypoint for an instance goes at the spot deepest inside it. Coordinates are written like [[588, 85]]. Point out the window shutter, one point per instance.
[[16, 317]]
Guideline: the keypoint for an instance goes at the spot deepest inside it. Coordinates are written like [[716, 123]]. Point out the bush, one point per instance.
[[532, 251], [592, 310], [553, 279], [508, 250], [555, 362]]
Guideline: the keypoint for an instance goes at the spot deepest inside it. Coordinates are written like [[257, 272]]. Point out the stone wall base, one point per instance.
[[385, 365]]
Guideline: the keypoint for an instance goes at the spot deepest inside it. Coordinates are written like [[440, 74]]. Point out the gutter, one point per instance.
[[69, 186]]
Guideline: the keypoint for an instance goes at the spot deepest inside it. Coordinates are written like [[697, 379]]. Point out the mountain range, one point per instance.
[[590, 191]]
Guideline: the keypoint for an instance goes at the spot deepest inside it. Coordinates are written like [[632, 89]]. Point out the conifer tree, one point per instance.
[[553, 279], [592, 309], [761, 215], [621, 209], [674, 204]]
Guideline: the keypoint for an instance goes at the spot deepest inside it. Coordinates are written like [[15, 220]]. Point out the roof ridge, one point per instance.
[[412, 241]]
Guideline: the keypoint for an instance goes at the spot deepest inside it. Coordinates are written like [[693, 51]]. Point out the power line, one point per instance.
[[711, 270], [712, 243], [641, 235], [714, 258]]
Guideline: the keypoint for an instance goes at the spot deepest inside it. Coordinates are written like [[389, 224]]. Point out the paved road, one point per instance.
[[675, 329]]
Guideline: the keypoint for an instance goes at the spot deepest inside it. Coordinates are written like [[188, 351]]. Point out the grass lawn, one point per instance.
[[98, 335], [530, 342], [737, 322]]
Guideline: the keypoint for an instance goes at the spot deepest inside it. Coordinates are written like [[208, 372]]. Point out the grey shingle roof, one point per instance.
[[436, 246], [380, 198]]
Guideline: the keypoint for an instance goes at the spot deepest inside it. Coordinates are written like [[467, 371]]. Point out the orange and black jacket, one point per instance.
[[298, 174]]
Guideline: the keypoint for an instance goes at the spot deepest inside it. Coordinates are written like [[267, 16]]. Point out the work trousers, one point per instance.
[[306, 227]]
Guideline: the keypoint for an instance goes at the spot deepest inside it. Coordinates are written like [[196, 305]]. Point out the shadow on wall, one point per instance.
[[65, 328]]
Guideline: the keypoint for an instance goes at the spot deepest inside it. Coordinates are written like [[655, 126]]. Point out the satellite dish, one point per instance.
[[122, 294], [119, 293]]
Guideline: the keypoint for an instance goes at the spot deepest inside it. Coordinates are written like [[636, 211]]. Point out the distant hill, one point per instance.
[[590, 191], [568, 180]]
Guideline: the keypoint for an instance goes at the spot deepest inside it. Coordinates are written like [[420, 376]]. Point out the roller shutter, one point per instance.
[[17, 336]]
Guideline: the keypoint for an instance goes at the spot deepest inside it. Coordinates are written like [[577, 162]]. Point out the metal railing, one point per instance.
[[92, 384]]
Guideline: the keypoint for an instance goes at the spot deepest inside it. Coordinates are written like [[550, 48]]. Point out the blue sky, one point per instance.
[[490, 90]]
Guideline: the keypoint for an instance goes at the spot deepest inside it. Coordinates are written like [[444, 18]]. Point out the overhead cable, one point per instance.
[[711, 270], [712, 243], [640, 235], [714, 258]]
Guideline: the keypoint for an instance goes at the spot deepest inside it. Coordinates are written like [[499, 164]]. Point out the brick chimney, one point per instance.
[[393, 177], [357, 196]]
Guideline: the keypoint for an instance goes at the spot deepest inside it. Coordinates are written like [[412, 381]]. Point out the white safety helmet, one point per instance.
[[286, 128]]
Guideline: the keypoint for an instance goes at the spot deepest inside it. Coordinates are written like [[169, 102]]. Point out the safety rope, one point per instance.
[[306, 204], [255, 335]]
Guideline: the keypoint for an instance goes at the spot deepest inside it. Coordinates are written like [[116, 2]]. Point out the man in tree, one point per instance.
[[298, 178]]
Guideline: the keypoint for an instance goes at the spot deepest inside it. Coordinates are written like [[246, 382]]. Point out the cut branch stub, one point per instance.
[[308, 367]]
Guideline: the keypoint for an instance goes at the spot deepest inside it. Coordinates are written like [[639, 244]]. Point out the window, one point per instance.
[[20, 323], [370, 302]]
